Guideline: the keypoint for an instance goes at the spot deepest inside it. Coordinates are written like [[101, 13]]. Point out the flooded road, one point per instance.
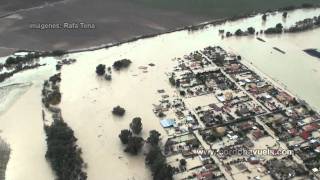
[[88, 100]]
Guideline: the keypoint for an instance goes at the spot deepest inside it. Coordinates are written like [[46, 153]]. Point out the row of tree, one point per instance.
[[63, 153], [278, 29], [251, 31], [18, 68], [13, 61], [156, 160]]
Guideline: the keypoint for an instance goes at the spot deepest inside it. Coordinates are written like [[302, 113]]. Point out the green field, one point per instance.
[[222, 8]]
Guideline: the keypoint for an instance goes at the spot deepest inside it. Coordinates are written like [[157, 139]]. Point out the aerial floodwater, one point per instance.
[[87, 101]]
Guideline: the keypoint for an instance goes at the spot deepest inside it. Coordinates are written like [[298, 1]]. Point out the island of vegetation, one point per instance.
[[63, 153], [303, 25], [154, 157], [15, 64]]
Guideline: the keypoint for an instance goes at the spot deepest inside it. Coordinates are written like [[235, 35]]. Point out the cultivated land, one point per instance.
[[7, 6], [220, 9], [114, 20], [221, 102]]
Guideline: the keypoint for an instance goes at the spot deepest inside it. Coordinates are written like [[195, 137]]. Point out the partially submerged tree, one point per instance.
[[279, 26], [136, 125], [183, 162], [54, 98], [154, 138], [228, 34], [264, 17], [63, 153], [275, 30], [172, 80], [125, 135], [101, 69], [239, 32], [118, 111], [108, 77], [251, 30], [157, 163], [285, 14], [134, 145], [121, 64]]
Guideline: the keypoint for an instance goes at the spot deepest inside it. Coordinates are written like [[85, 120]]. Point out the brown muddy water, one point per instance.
[[88, 100]]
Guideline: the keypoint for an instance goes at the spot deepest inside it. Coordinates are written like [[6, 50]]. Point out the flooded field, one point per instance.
[[87, 100]]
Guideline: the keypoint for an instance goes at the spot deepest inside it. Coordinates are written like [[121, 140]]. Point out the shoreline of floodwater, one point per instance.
[[194, 27]]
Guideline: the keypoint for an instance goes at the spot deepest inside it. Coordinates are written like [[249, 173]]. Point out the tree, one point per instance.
[[121, 64], [136, 125], [108, 77], [279, 26], [118, 111], [285, 14], [58, 52], [157, 163], [165, 172], [125, 135], [251, 30], [178, 83], [183, 162], [264, 17], [101, 69], [134, 145], [228, 34], [154, 138], [54, 98], [182, 93], [153, 155], [238, 32], [172, 80]]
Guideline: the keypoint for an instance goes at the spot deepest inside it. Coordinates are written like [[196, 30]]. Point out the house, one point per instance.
[[253, 160], [167, 123], [310, 127], [204, 158], [293, 131], [305, 135], [205, 176], [257, 134]]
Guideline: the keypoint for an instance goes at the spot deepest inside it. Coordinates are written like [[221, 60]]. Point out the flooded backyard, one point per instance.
[[87, 100]]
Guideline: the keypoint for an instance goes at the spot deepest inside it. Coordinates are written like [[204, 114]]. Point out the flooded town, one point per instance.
[[227, 100]]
